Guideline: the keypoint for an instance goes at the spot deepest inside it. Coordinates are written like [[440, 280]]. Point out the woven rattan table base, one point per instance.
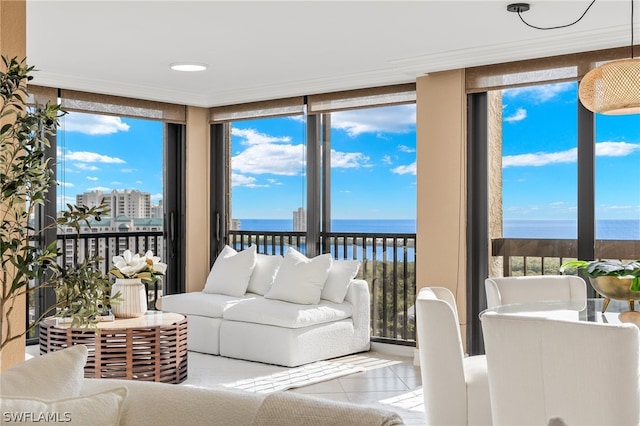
[[150, 352]]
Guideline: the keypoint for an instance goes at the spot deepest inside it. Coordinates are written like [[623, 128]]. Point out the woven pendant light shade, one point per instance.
[[612, 88]]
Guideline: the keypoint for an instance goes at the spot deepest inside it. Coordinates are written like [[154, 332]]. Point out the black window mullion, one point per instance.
[[477, 217]]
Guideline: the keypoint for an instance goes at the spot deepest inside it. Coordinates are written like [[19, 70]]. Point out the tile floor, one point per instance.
[[388, 381]]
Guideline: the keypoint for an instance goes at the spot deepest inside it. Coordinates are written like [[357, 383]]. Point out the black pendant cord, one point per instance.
[[631, 29], [559, 26]]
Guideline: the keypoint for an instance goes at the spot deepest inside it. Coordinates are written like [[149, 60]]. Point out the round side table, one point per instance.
[[152, 347]]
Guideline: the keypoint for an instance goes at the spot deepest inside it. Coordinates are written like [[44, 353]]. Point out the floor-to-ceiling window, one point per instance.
[[268, 167], [539, 167], [114, 151], [562, 183], [326, 173], [617, 178]]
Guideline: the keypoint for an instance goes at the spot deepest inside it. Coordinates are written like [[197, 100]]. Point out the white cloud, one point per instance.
[[540, 158], [92, 157], [127, 170], [404, 148], [83, 166], [387, 159], [66, 184], [540, 93], [246, 181], [396, 119], [615, 149], [277, 159], [519, 115], [139, 182], [156, 197], [348, 160], [253, 137], [91, 124], [603, 149], [93, 178], [99, 188], [405, 170]]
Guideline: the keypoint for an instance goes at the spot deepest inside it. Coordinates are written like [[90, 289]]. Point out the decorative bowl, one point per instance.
[[612, 287]]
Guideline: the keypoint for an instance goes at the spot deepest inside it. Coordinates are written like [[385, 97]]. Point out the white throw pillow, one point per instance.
[[264, 273], [231, 271], [300, 279], [100, 409], [54, 375], [338, 279]]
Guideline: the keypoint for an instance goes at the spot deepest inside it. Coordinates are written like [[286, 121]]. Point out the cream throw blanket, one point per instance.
[[290, 409]]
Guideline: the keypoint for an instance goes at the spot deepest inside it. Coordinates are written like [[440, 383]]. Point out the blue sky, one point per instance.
[[373, 156], [539, 157]]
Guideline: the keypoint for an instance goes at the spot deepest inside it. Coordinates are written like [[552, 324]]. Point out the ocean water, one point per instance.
[[568, 229], [393, 226], [512, 228]]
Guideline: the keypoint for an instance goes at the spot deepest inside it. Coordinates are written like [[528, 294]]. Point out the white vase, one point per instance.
[[133, 298]]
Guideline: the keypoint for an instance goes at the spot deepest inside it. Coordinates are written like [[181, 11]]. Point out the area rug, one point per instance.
[[296, 377]]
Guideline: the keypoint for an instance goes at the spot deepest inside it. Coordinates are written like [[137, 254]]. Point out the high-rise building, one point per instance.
[[130, 202], [300, 220], [157, 210]]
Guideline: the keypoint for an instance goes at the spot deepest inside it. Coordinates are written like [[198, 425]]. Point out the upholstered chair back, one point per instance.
[[508, 290], [580, 373], [455, 387]]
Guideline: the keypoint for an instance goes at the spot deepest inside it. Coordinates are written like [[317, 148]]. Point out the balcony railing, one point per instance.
[[75, 248], [388, 265], [108, 244], [524, 256]]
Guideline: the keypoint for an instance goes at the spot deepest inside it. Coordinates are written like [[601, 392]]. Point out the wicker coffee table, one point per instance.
[[152, 347]]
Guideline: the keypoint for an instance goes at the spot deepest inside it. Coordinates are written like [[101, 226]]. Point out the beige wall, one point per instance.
[[197, 214], [441, 183], [13, 36]]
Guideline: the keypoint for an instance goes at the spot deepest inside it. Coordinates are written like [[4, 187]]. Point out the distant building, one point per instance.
[[157, 210], [300, 220], [235, 224], [130, 202]]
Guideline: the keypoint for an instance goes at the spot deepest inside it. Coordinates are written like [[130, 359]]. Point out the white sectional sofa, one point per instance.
[[287, 310], [52, 389]]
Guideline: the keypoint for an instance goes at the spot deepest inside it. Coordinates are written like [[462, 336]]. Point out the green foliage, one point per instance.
[[613, 268], [25, 178]]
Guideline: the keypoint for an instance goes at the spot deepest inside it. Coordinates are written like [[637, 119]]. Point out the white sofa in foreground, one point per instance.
[[52, 389], [287, 310]]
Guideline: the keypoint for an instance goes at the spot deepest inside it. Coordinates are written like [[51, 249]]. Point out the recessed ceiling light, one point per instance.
[[188, 66]]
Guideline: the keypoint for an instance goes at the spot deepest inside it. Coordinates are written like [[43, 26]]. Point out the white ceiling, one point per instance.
[[267, 49]]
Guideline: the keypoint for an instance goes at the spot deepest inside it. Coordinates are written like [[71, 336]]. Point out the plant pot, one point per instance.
[[133, 301], [611, 287]]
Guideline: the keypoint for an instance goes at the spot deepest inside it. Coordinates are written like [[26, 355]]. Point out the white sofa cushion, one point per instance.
[[264, 273], [201, 303], [55, 375], [231, 272], [300, 279], [285, 314], [101, 409], [338, 279]]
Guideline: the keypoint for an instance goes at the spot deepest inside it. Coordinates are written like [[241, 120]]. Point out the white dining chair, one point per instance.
[[543, 370], [455, 386], [508, 290]]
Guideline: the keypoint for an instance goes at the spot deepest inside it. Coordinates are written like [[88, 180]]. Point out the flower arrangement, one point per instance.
[[147, 267]]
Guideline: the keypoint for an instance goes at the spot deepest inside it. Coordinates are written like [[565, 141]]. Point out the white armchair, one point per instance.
[[455, 387], [542, 369], [508, 290]]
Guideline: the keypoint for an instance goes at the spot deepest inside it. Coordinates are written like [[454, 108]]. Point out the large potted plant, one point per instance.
[[612, 279], [25, 177]]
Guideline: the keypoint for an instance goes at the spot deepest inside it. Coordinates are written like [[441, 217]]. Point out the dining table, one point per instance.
[[571, 310]]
